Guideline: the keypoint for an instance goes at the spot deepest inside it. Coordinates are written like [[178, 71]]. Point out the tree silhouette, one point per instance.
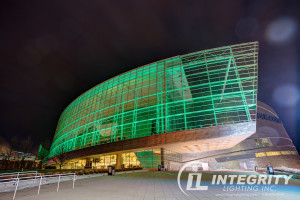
[[62, 157], [8, 152], [26, 145]]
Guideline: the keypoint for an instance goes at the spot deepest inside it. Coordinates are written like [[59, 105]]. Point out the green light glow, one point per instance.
[[202, 89]]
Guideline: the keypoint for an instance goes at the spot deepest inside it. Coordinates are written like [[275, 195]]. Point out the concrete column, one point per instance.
[[119, 161], [162, 157]]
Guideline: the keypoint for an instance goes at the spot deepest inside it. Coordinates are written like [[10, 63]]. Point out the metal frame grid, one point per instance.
[[202, 89]]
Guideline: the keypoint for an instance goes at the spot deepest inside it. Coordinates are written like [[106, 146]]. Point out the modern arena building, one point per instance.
[[198, 106]]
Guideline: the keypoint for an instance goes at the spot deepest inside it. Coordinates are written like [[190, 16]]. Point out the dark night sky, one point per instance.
[[53, 51]]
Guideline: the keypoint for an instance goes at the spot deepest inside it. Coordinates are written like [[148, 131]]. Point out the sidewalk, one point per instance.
[[145, 186]]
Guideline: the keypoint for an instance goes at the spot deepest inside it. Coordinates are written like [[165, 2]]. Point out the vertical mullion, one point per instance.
[[123, 104], [135, 106], [116, 115], [165, 96], [209, 84], [183, 95], [102, 111], [241, 88], [157, 100]]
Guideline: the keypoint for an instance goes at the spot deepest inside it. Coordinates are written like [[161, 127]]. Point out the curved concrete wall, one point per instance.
[[270, 145]]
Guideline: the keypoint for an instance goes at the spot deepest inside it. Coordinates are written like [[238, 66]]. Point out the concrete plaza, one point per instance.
[[147, 185]]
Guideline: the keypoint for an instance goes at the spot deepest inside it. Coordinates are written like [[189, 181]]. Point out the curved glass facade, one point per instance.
[[202, 89]]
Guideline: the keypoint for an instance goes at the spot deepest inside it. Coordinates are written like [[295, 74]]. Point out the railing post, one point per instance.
[[35, 176], [73, 180], [58, 182], [40, 185], [16, 188]]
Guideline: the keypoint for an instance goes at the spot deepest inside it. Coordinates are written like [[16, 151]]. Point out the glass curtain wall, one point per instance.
[[202, 89]]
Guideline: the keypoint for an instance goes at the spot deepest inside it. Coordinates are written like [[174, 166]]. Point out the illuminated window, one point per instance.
[[294, 152], [266, 142], [263, 142], [273, 153], [286, 152], [258, 142], [261, 154]]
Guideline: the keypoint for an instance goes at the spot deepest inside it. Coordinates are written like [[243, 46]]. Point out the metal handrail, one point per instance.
[[17, 174], [17, 180], [25, 172]]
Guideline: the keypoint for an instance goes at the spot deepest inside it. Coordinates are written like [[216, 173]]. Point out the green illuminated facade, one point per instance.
[[202, 89]]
